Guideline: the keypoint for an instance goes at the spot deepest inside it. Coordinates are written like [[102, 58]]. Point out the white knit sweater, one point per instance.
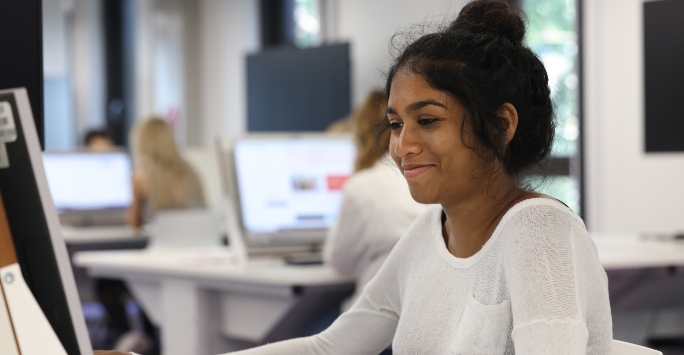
[[535, 287]]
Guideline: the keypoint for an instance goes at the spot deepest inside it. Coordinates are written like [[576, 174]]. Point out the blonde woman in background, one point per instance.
[[162, 180], [377, 207]]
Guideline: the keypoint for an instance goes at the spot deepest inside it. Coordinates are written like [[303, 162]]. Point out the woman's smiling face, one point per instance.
[[426, 141]]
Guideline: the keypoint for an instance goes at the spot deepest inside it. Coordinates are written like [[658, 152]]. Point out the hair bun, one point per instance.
[[494, 17]]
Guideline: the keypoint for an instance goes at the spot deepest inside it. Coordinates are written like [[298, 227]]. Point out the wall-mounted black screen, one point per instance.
[[291, 89], [21, 45], [664, 75]]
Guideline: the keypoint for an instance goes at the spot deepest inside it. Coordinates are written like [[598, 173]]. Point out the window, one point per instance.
[[553, 35], [307, 19]]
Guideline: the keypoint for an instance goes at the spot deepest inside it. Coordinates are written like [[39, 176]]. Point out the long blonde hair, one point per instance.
[[365, 121], [171, 182]]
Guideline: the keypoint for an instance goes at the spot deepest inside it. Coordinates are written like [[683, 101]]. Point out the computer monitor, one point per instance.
[[34, 224], [298, 89], [288, 188], [86, 181]]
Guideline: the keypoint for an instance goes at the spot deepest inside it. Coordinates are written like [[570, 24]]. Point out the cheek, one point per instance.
[[454, 157], [444, 145], [392, 144]]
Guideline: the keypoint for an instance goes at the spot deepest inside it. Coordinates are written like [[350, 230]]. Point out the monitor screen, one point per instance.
[[291, 184], [89, 181], [663, 76]]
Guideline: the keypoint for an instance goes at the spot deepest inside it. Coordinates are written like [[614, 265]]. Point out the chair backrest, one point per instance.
[[622, 348], [182, 229], [205, 163]]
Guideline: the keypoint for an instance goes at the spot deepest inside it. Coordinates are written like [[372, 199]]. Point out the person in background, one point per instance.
[[377, 207], [98, 140], [340, 126], [162, 180]]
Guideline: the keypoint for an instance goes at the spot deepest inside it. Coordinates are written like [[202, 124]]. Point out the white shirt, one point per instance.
[[376, 210], [535, 287]]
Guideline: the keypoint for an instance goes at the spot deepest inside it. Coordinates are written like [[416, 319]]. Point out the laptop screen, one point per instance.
[[291, 184], [89, 181]]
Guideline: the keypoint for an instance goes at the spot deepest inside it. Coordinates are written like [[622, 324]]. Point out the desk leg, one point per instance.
[[190, 321], [186, 321]]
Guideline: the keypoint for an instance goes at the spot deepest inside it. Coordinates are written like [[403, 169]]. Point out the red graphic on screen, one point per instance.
[[336, 182]]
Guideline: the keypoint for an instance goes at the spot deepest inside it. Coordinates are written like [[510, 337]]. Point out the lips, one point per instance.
[[415, 170]]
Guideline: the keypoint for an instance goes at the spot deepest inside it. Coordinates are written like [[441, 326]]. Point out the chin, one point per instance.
[[422, 197]]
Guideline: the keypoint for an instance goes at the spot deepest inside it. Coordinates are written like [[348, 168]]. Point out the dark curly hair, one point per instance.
[[480, 58]]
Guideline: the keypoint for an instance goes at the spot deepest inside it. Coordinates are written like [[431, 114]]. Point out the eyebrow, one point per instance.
[[417, 106]]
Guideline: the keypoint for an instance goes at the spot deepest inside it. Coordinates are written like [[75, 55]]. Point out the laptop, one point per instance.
[[285, 189], [90, 188]]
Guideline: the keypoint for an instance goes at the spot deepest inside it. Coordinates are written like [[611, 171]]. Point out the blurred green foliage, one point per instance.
[[552, 35]]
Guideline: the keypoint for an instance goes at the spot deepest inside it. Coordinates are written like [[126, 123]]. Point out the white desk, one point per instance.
[[631, 251], [645, 285], [641, 270], [206, 305]]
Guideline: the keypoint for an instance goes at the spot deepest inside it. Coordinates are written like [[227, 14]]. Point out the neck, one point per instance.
[[471, 221]]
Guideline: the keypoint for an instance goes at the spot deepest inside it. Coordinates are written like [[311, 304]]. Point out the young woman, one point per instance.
[[162, 180], [494, 269]]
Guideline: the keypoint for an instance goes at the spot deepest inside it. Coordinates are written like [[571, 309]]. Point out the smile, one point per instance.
[[412, 171]]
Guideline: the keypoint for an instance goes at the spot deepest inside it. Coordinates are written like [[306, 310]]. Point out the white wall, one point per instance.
[[54, 39], [627, 189], [144, 58], [228, 31], [369, 24], [190, 57], [165, 53], [87, 65], [63, 119]]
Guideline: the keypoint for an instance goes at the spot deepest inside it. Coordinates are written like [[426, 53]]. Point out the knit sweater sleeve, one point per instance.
[[367, 328], [541, 275]]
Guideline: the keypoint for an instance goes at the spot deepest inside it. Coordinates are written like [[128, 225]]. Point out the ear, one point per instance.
[[510, 116]]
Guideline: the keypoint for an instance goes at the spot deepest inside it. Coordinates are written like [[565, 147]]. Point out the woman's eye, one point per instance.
[[395, 125], [426, 121]]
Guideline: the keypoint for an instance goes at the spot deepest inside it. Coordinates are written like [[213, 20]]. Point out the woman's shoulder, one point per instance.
[[540, 207], [539, 223]]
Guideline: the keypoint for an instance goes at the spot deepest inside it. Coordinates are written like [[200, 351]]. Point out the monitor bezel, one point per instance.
[[59, 266], [306, 237]]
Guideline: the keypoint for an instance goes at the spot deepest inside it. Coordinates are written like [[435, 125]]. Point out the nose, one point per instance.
[[407, 143]]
